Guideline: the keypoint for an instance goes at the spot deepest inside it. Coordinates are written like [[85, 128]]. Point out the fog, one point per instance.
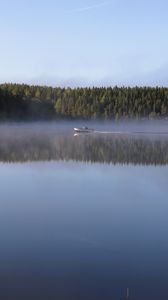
[[141, 142]]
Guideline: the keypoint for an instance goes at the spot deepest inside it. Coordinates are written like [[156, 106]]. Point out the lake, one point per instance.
[[85, 216]]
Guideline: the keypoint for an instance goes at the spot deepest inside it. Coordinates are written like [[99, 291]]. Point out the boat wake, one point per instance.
[[132, 132], [85, 130]]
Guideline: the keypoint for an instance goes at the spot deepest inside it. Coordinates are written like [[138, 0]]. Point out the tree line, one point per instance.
[[23, 101]]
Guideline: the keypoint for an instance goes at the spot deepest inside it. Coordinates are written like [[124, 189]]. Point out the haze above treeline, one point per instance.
[[21, 101]]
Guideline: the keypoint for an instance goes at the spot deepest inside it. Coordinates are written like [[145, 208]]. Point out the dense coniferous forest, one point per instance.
[[22, 101]]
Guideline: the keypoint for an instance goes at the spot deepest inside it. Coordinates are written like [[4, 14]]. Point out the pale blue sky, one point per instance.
[[86, 42]]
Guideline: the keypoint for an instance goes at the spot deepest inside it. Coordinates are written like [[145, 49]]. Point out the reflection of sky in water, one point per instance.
[[83, 231]]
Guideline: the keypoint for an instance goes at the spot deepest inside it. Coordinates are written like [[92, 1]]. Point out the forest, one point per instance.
[[21, 102]]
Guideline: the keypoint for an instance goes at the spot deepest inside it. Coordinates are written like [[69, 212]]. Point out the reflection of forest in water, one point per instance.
[[20, 145]]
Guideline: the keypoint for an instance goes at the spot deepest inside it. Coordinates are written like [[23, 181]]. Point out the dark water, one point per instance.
[[83, 217]]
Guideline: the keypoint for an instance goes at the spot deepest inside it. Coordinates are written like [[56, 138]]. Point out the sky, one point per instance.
[[84, 43]]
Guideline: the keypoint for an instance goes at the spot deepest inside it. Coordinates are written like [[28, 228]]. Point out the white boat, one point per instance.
[[83, 129]]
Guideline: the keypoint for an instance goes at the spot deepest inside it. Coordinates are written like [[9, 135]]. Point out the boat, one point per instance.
[[83, 129]]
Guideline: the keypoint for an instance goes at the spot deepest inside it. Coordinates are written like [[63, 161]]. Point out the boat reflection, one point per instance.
[[22, 145]]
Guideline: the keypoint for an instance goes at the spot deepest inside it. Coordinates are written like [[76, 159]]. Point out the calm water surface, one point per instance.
[[83, 217]]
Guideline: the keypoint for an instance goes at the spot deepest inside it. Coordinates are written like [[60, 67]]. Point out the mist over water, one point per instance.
[[127, 142], [83, 217]]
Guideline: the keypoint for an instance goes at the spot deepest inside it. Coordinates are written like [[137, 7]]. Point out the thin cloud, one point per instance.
[[86, 8]]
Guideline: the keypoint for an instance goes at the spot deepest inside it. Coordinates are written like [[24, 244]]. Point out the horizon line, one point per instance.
[[84, 87]]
